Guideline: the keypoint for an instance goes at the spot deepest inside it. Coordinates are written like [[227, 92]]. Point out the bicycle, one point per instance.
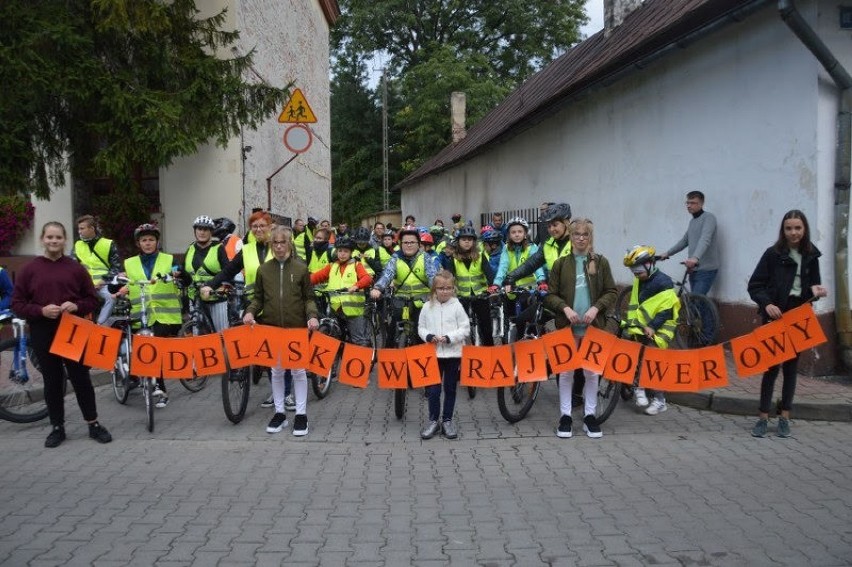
[[378, 322], [698, 322], [236, 382], [405, 334], [21, 380], [516, 401], [198, 322], [120, 319], [496, 316]]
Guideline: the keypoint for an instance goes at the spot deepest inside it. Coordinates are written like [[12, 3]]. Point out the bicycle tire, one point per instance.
[[698, 322], [321, 385], [399, 394], [609, 393], [196, 383], [147, 385], [236, 387], [622, 302], [515, 402], [20, 403], [121, 374]]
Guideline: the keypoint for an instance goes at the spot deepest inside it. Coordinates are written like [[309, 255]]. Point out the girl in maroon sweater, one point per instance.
[[45, 288]]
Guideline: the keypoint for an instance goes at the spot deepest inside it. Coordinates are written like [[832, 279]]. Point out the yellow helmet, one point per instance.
[[639, 255]]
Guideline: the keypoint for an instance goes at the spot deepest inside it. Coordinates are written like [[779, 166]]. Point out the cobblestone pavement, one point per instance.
[[687, 487]]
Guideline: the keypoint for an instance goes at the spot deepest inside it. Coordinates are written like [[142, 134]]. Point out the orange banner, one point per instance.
[[422, 363], [710, 369], [475, 366], [663, 369], [355, 365], [531, 362], [71, 336], [561, 349], [102, 347], [239, 345], [321, 353], [294, 352], [393, 369], [748, 356], [146, 356], [207, 355], [594, 349], [176, 356], [623, 361], [805, 331]]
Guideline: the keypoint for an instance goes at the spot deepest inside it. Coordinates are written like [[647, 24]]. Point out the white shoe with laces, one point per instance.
[[657, 406], [640, 397]]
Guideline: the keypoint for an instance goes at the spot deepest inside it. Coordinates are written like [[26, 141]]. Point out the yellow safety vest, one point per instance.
[[317, 263], [470, 281], [552, 253], [643, 314], [300, 243], [412, 282], [164, 302], [209, 267], [352, 304], [251, 263], [517, 260], [361, 256], [96, 262]]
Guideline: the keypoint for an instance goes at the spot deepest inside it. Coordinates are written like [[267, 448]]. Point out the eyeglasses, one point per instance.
[[583, 235], [279, 242], [445, 288], [258, 226], [410, 242]]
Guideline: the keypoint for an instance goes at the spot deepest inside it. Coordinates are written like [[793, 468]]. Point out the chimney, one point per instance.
[[615, 11], [457, 114]]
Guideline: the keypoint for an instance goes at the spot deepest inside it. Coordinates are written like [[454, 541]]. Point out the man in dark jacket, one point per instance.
[[283, 297]]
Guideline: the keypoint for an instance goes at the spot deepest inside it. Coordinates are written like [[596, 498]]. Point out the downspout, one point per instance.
[[806, 34]]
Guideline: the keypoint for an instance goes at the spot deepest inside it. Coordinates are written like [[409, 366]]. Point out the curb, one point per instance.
[[721, 403]]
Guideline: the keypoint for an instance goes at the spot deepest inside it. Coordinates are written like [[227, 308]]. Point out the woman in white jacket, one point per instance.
[[443, 321]]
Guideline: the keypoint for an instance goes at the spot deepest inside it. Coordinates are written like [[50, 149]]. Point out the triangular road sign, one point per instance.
[[297, 109]]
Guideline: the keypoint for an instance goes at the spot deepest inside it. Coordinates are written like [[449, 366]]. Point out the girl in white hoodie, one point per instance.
[[443, 321]]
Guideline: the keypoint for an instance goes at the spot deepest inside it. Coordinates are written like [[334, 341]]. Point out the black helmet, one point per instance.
[[345, 242], [467, 230], [203, 221], [222, 227], [362, 234], [557, 211]]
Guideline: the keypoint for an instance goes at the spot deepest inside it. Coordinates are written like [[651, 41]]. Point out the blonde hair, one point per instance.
[[444, 275], [284, 233], [591, 265]]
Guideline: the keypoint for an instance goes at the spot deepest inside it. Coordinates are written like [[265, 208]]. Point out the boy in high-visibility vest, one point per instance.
[[652, 312]]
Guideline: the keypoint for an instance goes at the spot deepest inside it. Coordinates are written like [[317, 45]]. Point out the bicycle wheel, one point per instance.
[[196, 383], [608, 394], [515, 402], [236, 385], [698, 322], [21, 397], [321, 385], [148, 393], [399, 394], [622, 302], [121, 373]]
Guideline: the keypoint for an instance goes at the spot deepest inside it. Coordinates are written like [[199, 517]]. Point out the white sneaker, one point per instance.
[[290, 403], [641, 397], [657, 406], [158, 393], [162, 402]]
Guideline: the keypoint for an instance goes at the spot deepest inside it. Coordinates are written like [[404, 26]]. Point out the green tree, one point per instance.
[[107, 85], [484, 48]]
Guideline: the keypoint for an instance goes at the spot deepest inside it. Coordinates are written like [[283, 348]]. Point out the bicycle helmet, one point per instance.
[[436, 230], [426, 239], [389, 232], [558, 211], [222, 227], [345, 242], [467, 230], [519, 221], [146, 230], [362, 234], [203, 221], [412, 230], [492, 236], [639, 255]]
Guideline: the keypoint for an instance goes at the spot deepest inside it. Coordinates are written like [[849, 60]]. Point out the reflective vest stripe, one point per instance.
[[642, 314], [164, 304], [209, 267], [472, 280], [93, 261], [352, 304], [411, 282]]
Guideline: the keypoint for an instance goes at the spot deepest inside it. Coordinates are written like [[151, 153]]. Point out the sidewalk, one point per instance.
[[817, 398]]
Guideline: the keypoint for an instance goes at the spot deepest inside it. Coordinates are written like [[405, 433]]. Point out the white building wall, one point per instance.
[[290, 39], [740, 116]]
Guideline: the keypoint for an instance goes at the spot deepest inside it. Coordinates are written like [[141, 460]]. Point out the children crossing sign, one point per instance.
[[297, 110]]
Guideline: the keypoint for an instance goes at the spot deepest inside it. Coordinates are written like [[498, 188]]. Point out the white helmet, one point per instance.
[[203, 221], [520, 221]]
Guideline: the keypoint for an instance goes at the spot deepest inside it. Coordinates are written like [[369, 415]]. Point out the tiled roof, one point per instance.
[[654, 25]]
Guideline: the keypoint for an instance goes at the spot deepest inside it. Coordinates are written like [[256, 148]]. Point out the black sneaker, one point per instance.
[[277, 423], [268, 402], [591, 427], [300, 425], [55, 437], [564, 429], [99, 433]]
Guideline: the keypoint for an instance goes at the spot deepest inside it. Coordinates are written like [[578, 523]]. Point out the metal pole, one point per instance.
[[385, 189]]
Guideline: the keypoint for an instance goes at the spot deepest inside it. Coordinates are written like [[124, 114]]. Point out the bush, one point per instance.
[[16, 217]]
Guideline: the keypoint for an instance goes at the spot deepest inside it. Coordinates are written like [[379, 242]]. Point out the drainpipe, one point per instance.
[[843, 80]]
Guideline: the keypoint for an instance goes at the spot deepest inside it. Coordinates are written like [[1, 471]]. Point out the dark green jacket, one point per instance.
[[283, 295], [562, 283]]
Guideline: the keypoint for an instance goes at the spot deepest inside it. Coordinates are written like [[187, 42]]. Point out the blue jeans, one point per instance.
[[700, 281], [450, 369]]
